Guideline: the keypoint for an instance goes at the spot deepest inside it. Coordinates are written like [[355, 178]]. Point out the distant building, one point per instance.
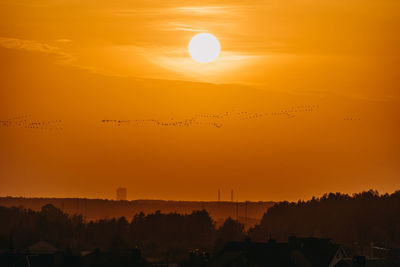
[[121, 193]]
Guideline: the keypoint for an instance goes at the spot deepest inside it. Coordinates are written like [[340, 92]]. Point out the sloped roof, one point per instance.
[[254, 253], [348, 262], [42, 247], [319, 251], [310, 251]]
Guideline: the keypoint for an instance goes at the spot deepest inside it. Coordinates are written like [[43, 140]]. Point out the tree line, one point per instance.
[[156, 234], [364, 217]]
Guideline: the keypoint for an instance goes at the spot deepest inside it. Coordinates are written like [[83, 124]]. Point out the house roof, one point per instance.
[[42, 247], [258, 254], [349, 262], [319, 251], [310, 251]]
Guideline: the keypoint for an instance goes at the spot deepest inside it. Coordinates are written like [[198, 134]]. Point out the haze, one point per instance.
[[303, 99]]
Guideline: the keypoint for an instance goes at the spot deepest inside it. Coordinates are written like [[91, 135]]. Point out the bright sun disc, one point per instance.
[[204, 47]]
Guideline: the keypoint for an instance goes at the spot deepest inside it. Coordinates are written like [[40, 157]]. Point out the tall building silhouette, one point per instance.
[[121, 193]]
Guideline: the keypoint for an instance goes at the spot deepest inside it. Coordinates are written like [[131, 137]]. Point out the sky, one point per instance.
[[303, 99]]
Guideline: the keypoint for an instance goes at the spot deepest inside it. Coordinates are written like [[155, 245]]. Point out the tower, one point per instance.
[[232, 195], [245, 214], [121, 193], [219, 195], [237, 210]]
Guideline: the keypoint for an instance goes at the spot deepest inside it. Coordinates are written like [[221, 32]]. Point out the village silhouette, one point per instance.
[[335, 230]]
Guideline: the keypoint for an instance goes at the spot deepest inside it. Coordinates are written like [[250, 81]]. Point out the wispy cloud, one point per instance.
[[36, 46], [178, 60], [64, 41], [203, 10], [175, 26], [167, 11], [14, 43]]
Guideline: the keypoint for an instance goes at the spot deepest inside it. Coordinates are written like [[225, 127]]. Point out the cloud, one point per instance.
[[175, 26], [64, 41], [35, 46], [178, 60], [203, 10], [14, 43], [166, 11]]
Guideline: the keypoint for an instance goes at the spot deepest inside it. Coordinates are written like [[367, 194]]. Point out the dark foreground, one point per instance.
[[361, 230]]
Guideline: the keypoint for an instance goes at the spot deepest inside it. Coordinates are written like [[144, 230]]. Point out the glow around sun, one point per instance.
[[204, 47]]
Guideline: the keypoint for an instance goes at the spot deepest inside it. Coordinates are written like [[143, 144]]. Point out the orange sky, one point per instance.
[[331, 66]]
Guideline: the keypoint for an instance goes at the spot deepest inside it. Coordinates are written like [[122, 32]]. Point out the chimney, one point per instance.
[[237, 211], [292, 241], [359, 261], [371, 250]]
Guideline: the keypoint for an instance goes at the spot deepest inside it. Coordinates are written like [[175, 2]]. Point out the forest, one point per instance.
[[363, 218]]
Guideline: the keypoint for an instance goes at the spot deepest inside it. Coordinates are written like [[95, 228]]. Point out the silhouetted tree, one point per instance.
[[364, 217], [231, 230]]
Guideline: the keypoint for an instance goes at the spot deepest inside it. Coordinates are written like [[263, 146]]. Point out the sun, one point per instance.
[[204, 47]]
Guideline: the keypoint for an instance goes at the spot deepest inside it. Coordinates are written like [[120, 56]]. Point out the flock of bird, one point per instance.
[[215, 120], [212, 120], [25, 121], [170, 123], [351, 119]]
